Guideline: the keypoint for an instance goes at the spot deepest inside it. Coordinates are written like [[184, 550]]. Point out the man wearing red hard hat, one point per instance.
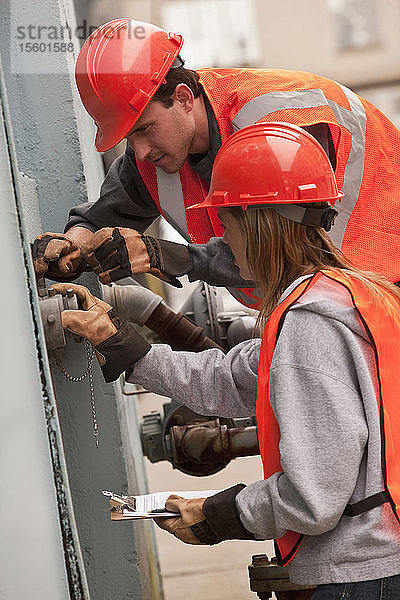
[[132, 82]]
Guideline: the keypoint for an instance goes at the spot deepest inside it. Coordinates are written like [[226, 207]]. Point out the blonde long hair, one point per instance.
[[279, 250]]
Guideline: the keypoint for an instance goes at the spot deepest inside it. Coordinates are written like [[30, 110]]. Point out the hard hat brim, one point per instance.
[[220, 201]]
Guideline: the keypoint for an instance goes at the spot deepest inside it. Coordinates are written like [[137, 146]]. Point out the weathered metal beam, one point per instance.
[[39, 549], [58, 168]]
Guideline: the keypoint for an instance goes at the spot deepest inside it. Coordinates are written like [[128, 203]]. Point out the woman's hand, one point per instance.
[[190, 521], [206, 520], [117, 344], [94, 322]]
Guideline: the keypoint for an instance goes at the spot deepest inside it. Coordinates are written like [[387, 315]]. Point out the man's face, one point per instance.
[[163, 135]]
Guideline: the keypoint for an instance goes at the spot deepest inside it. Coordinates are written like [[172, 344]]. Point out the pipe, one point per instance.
[[211, 442], [179, 331], [140, 305], [133, 303]]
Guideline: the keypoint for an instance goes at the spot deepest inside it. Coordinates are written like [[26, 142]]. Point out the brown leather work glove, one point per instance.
[[114, 253], [117, 344], [191, 527], [206, 520], [57, 258]]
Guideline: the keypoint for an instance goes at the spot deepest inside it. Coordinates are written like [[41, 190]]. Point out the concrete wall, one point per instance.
[[29, 510], [58, 169]]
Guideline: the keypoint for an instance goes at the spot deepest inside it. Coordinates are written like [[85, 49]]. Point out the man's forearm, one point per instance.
[[214, 263]]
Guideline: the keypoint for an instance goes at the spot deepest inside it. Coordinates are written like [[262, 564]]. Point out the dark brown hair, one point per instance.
[[173, 78]]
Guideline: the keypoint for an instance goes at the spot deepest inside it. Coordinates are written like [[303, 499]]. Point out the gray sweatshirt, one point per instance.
[[323, 393]]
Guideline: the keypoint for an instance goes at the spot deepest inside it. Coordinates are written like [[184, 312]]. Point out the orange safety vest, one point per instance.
[[366, 144], [381, 318]]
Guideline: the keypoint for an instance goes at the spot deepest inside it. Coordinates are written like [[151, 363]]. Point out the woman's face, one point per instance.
[[235, 238]]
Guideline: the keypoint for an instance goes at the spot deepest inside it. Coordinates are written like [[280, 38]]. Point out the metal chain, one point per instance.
[[90, 356], [87, 373]]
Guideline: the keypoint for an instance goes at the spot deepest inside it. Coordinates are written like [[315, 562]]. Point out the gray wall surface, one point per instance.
[[29, 515], [53, 140]]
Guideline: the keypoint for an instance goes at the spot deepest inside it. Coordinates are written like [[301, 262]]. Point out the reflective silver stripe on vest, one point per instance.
[[354, 120], [172, 204]]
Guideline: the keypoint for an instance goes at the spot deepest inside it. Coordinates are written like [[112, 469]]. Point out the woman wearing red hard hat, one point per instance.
[[327, 385]]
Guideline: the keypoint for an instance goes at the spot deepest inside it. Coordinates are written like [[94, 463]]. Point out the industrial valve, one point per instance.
[[267, 578], [194, 444], [51, 306]]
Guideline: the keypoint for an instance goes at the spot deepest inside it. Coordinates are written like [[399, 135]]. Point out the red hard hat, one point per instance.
[[272, 164], [119, 69]]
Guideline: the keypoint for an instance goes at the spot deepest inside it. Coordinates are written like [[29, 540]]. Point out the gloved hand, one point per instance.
[[116, 343], [114, 253], [191, 527], [57, 258], [206, 520]]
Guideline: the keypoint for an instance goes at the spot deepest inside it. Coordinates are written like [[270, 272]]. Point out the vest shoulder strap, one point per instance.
[[353, 510]]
